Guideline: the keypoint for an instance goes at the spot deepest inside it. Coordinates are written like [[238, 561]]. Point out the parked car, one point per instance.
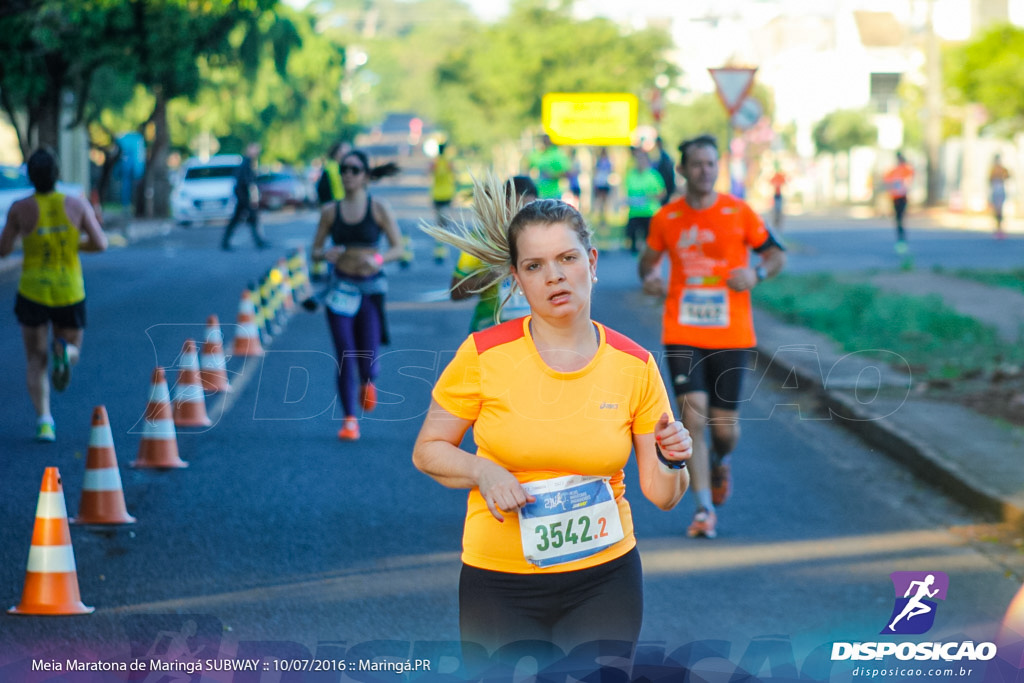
[[285, 187], [206, 189], [15, 185]]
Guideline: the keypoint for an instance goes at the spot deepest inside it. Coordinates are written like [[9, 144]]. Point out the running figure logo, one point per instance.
[[914, 611]]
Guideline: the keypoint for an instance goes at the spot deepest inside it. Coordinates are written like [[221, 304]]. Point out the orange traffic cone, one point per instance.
[[212, 365], [189, 402], [159, 445], [51, 579], [102, 494], [247, 341]]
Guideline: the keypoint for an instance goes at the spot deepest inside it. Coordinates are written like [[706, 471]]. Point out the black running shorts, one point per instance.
[[716, 372], [32, 314]]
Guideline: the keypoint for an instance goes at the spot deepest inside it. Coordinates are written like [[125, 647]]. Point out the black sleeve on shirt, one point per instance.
[[772, 241]]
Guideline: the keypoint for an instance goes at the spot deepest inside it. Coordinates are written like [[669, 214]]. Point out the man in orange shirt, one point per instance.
[[708, 327], [778, 181], [897, 181]]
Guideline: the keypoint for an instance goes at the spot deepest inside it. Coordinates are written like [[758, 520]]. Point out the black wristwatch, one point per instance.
[[761, 273], [671, 464]]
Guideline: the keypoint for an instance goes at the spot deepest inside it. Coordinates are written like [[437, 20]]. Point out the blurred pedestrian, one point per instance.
[[355, 297], [550, 164], [573, 177], [247, 200], [997, 178], [549, 554], [666, 169], [778, 182], [644, 191], [708, 327], [53, 228], [442, 192], [897, 182], [499, 301], [329, 187], [602, 185]]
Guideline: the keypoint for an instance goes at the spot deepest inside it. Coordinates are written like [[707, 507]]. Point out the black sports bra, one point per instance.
[[365, 233]]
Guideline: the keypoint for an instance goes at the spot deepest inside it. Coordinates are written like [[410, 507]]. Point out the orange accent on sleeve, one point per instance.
[[498, 335], [621, 342]]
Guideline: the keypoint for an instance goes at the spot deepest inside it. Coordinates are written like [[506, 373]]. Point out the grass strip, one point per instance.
[[1010, 279], [937, 341]]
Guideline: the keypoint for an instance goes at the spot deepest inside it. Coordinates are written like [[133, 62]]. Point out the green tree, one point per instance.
[[841, 131], [291, 106], [987, 70], [167, 39], [48, 57], [408, 48], [489, 87], [844, 129]]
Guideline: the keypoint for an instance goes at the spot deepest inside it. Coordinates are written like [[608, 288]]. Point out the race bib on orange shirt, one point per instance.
[[704, 307]]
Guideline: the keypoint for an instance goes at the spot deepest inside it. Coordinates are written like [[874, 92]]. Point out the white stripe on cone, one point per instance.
[[212, 361], [158, 393], [158, 429], [51, 505], [51, 559], [101, 437], [102, 479], [188, 393]]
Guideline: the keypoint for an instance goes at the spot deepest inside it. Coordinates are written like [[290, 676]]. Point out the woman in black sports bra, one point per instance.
[[355, 299]]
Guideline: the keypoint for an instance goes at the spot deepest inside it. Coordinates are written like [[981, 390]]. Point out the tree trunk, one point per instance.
[[154, 198], [112, 154], [47, 122], [51, 102]]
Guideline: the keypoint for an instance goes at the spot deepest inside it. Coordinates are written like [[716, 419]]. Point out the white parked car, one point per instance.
[[15, 185], [206, 189]]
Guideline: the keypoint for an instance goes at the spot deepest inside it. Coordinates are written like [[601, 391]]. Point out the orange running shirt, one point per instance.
[[704, 246], [897, 180], [539, 423], [778, 181]]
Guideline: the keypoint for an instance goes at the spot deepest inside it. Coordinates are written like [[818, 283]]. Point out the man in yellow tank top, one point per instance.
[[53, 228], [442, 192]]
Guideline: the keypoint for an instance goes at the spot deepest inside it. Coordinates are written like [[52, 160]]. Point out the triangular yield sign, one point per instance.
[[733, 84]]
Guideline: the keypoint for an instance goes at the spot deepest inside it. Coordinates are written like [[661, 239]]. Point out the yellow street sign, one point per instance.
[[589, 118]]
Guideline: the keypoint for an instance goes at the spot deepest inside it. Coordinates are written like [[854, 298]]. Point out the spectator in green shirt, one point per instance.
[[644, 191], [550, 164]]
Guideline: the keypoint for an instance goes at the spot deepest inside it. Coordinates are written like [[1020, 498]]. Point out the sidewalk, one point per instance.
[[931, 217], [975, 459]]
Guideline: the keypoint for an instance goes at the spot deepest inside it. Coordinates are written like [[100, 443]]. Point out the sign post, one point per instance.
[[733, 85]]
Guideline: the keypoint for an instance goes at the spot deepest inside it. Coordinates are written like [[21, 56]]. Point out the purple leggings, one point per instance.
[[356, 342]]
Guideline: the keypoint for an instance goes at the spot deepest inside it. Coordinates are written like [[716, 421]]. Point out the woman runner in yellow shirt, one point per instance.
[[556, 402], [53, 229]]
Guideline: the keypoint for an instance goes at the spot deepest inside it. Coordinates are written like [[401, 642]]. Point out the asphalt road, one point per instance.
[[279, 541]]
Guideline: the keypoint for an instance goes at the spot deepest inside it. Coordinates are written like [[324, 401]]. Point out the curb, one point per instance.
[[888, 438]]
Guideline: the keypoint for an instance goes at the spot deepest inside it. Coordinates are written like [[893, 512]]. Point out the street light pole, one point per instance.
[[933, 108]]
